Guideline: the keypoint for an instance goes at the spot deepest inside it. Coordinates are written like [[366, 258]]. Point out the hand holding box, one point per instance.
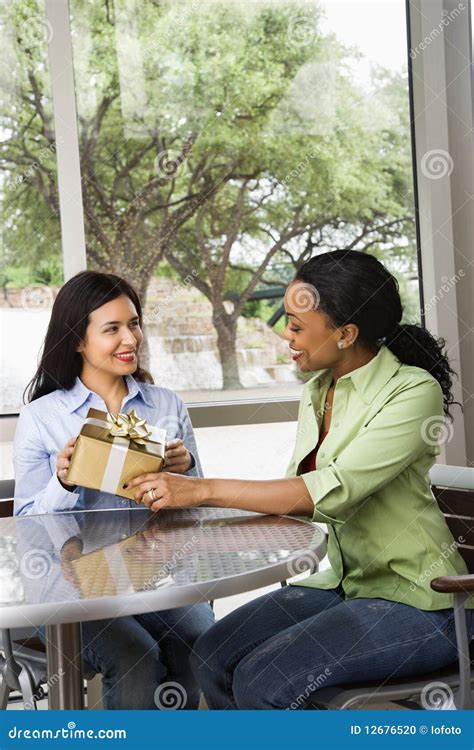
[[112, 449]]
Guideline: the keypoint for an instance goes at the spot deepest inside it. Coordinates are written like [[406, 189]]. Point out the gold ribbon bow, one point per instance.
[[128, 425]]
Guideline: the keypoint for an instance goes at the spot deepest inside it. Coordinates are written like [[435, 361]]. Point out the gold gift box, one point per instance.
[[98, 453]]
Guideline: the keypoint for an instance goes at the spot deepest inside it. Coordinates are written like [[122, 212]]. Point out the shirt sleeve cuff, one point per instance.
[[319, 485], [193, 470]]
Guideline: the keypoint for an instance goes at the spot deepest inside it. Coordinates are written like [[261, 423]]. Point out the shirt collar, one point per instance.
[[369, 379], [137, 388], [76, 396]]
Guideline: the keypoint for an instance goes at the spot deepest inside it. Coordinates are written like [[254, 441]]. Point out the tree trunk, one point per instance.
[[226, 328]]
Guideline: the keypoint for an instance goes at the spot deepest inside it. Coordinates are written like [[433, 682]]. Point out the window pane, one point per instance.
[[257, 451], [214, 162], [31, 262]]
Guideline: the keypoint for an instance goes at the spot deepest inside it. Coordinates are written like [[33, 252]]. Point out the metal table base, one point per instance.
[[64, 660]]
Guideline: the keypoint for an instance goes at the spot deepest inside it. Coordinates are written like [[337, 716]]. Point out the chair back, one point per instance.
[[7, 491], [454, 492]]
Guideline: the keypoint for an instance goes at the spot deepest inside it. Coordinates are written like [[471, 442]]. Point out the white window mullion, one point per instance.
[[443, 147], [67, 142]]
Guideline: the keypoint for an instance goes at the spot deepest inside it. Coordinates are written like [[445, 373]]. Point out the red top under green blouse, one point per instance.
[[309, 463]]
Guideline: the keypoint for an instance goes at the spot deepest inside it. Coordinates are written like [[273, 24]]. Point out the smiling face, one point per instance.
[[112, 338], [312, 338]]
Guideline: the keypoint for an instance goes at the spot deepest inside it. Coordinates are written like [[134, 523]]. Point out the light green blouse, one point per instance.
[[387, 537]]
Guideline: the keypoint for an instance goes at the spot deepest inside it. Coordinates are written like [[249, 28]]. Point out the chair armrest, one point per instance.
[[453, 584], [6, 507]]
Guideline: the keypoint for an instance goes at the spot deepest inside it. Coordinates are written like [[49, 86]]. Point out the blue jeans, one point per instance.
[[144, 659], [276, 651]]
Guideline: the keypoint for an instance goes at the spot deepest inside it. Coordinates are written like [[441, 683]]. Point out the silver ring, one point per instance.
[[151, 492]]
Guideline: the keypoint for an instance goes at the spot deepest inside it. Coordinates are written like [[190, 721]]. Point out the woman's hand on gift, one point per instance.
[[63, 460], [165, 490], [177, 458]]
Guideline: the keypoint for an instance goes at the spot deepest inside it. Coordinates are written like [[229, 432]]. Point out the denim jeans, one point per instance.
[[276, 651], [144, 659]]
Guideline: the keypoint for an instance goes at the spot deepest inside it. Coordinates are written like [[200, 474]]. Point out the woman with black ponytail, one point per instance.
[[355, 287], [367, 436]]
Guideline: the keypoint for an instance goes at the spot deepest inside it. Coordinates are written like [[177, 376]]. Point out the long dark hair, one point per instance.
[[355, 287], [60, 362]]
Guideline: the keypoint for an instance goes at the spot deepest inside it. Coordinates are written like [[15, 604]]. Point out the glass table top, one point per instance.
[[66, 560]]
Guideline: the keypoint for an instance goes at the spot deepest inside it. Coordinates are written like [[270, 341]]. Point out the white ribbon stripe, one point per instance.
[[118, 454]]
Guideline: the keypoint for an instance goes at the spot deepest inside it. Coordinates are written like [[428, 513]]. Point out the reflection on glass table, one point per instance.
[[65, 568]]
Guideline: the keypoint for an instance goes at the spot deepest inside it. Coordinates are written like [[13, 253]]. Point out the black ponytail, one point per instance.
[[355, 287], [414, 345]]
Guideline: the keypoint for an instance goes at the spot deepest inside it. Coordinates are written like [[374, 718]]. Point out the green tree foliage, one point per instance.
[[223, 137]]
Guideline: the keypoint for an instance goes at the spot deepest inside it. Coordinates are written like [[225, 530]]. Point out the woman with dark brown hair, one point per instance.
[[91, 359]]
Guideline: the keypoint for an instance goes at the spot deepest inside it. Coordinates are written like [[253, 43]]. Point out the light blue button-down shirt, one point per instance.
[[45, 426]]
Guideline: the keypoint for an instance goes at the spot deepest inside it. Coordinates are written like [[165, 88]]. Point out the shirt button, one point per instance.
[[323, 453], [336, 424]]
